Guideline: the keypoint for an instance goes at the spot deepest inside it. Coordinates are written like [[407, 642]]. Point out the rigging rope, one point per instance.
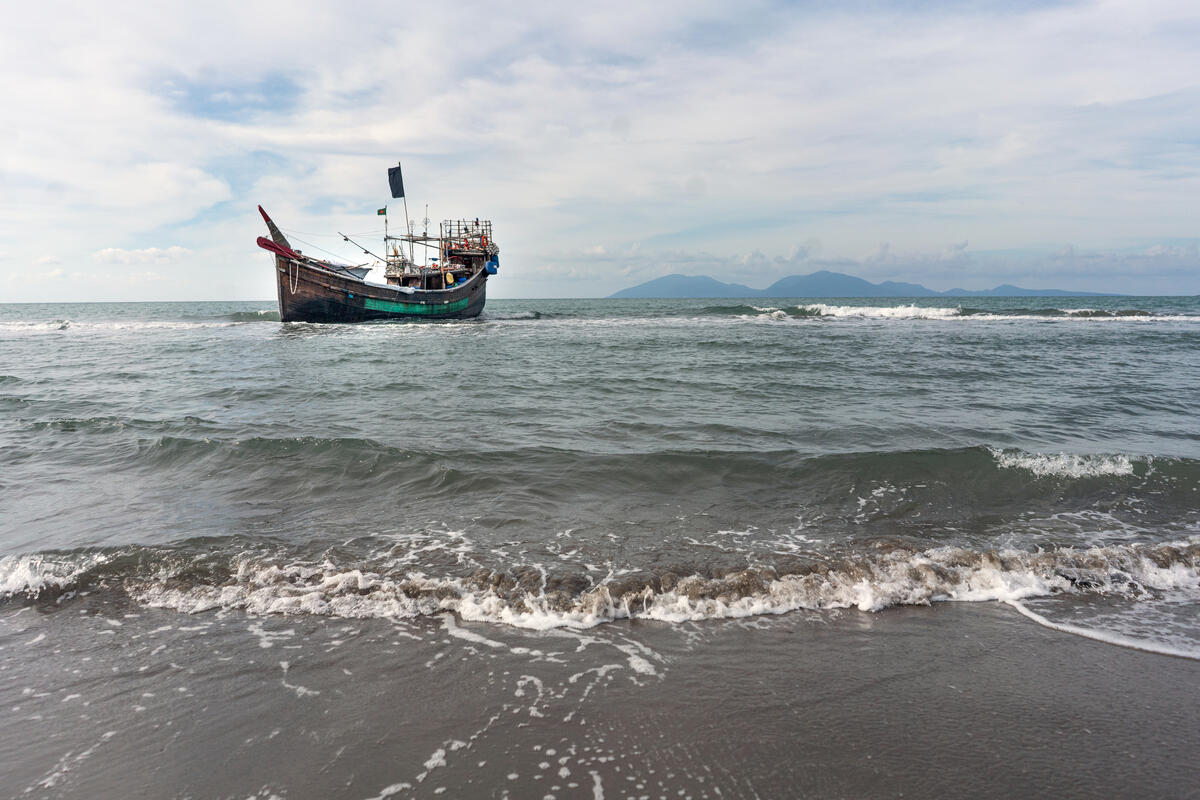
[[330, 235], [318, 247]]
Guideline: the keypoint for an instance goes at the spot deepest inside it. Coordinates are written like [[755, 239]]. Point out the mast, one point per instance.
[[427, 242], [408, 222]]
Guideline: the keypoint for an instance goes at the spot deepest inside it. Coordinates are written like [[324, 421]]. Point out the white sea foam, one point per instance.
[[31, 575], [391, 791], [882, 312], [1066, 465], [67, 763], [1109, 637], [301, 691], [869, 582], [913, 311], [40, 326], [768, 313], [71, 326]]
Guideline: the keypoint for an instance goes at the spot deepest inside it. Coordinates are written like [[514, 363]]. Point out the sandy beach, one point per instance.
[[954, 700]]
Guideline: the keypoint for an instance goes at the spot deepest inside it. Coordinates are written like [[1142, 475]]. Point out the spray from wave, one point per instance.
[[1064, 464]]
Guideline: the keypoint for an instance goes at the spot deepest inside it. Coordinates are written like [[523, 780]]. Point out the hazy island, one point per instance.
[[821, 284]]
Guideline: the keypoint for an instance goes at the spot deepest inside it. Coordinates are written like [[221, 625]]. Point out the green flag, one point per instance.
[[382, 212]]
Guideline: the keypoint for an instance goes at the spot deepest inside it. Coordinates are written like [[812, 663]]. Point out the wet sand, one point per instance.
[[104, 698]]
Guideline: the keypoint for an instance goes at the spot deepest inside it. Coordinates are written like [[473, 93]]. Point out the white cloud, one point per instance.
[[631, 124], [140, 277], [38, 277], [148, 255]]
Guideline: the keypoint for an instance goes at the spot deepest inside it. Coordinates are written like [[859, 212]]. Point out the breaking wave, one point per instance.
[[1065, 464], [262, 315], [967, 313], [913, 311], [880, 312], [533, 597]]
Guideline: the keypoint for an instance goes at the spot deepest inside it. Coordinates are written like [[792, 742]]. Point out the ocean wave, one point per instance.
[[881, 312], [821, 310], [35, 326], [966, 313], [1099, 313], [1074, 313], [110, 423], [772, 313], [533, 598], [913, 311], [261, 315], [1066, 464], [502, 316], [346, 452], [74, 326], [946, 485], [736, 310], [740, 312], [36, 575]]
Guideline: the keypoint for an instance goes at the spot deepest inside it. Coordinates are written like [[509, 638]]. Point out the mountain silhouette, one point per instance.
[[820, 284]]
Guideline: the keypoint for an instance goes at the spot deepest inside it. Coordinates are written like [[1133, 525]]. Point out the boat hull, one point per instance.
[[312, 294]]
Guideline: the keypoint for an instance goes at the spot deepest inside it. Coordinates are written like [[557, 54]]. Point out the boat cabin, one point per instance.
[[464, 247]]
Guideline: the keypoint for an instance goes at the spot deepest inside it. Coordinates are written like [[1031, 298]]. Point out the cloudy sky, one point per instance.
[[953, 144]]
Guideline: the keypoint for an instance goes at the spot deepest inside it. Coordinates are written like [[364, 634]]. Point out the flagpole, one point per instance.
[[408, 222], [396, 181]]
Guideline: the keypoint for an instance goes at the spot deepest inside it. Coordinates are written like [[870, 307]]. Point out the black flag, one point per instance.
[[396, 180]]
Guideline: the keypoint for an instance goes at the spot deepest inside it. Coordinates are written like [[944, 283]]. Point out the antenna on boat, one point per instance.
[[425, 234], [410, 227]]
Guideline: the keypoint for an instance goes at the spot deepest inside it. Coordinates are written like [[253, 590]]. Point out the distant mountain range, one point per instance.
[[820, 284]]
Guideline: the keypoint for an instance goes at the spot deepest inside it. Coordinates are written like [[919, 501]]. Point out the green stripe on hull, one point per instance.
[[393, 307]]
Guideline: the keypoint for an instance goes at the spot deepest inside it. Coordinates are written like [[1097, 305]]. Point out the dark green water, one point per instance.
[[558, 464]]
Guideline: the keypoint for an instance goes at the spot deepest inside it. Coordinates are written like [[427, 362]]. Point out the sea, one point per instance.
[[936, 547]]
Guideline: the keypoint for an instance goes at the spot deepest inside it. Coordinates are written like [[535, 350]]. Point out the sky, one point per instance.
[[1047, 145]]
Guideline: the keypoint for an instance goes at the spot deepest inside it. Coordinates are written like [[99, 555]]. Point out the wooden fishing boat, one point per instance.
[[450, 285]]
